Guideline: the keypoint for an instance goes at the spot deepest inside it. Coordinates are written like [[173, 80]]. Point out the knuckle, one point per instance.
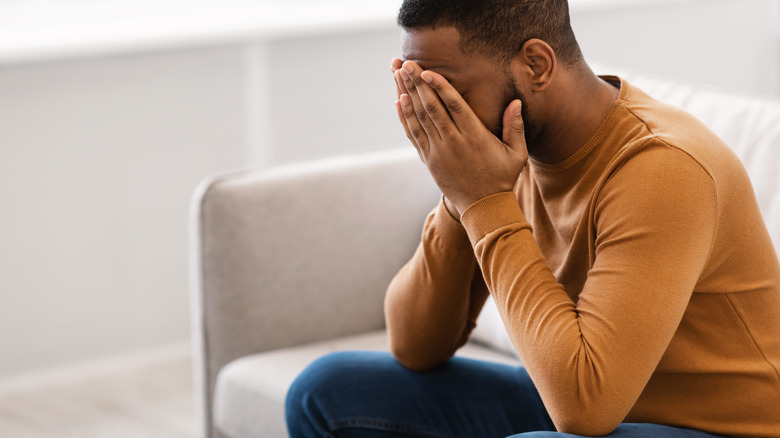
[[456, 106], [422, 115], [409, 113], [416, 132], [474, 140], [431, 107]]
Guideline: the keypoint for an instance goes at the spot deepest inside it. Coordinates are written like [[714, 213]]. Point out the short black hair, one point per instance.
[[498, 28]]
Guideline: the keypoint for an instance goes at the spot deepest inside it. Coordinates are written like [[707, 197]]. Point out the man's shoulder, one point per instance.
[[666, 126]]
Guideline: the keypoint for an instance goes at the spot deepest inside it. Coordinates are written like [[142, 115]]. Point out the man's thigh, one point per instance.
[[630, 430], [369, 394]]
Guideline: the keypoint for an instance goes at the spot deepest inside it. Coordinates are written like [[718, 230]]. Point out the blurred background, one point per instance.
[[112, 111]]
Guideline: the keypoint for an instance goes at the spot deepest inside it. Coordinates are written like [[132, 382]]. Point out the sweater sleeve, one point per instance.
[[432, 303], [654, 222]]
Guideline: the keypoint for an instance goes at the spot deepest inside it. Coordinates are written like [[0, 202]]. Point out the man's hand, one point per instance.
[[465, 159]]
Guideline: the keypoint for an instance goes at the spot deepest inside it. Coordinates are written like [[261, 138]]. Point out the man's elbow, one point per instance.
[[587, 423], [415, 359], [592, 431]]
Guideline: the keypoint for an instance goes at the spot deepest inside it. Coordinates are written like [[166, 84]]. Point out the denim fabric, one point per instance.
[[370, 395]]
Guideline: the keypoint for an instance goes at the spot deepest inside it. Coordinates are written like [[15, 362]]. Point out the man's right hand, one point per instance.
[[400, 89]]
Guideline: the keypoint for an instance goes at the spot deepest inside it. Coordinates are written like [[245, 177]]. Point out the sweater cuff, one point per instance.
[[492, 213]]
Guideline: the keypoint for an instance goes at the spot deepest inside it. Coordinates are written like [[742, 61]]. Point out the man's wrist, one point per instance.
[[450, 207], [492, 213]]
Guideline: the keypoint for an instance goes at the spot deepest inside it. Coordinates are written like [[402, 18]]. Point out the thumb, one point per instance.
[[514, 128]]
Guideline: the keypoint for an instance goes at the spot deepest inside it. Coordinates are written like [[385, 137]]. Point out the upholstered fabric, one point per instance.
[[299, 253]]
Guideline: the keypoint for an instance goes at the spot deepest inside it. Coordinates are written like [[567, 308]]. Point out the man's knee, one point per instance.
[[541, 435], [324, 387], [629, 430], [316, 379], [334, 370]]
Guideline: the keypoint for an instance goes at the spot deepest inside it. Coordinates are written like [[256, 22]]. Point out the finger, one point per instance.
[[436, 110], [460, 111], [402, 118], [399, 84], [514, 127], [410, 77], [395, 65], [417, 133]]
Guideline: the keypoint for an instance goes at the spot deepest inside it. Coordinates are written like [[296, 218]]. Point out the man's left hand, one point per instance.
[[465, 159]]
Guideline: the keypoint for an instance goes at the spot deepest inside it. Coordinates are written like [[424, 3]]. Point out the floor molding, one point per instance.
[[115, 364]]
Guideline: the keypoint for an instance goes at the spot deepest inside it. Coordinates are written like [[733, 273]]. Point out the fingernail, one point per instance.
[[408, 68], [405, 100], [403, 74], [519, 108], [426, 77]]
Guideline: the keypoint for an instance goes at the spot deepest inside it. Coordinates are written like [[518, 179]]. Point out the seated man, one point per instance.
[[619, 237]]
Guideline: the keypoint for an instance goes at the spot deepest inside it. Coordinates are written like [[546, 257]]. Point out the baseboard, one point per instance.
[[115, 364]]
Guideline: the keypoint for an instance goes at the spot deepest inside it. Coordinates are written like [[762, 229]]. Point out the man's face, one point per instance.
[[484, 84]]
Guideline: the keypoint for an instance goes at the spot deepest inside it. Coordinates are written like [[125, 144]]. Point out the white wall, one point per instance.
[[98, 158], [320, 96], [727, 43], [99, 153]]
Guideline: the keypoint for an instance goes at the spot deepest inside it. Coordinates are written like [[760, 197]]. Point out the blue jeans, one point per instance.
[[370, 395]]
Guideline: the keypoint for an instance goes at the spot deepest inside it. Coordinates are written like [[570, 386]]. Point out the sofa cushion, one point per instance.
[[250, 391]]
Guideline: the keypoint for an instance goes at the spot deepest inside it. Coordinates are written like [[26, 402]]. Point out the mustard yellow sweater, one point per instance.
[[636, 280]]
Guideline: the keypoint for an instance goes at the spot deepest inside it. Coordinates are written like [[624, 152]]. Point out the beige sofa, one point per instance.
[[291, 262]]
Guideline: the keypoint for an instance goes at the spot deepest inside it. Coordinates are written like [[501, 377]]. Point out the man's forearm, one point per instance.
[[429, 307]]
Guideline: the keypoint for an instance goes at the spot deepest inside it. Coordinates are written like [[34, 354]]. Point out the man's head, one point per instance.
[[492, 51], [497, 28]]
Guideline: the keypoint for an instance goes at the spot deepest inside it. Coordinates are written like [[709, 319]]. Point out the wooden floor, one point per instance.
[[149, 400]]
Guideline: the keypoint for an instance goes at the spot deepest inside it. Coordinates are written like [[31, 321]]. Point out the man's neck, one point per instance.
[[583, 105]]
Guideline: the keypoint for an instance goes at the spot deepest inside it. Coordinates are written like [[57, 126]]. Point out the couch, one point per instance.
[[291, 262]]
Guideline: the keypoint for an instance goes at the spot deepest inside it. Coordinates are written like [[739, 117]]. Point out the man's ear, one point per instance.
[[535, 61]]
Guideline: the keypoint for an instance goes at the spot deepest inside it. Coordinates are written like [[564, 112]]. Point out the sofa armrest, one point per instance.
[[299, 253]]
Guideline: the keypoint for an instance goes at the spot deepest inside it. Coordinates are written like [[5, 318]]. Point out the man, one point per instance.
[[619, 237]]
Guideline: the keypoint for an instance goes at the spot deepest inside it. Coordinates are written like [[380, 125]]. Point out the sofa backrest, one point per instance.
[[750, 125], [276, 251]]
